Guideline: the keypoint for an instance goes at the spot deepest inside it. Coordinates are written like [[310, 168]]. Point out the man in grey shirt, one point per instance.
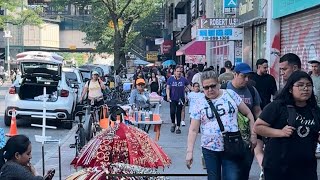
[[251, 98]]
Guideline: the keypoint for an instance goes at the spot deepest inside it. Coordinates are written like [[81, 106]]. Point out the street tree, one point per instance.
[[16, 12], [112, 21]]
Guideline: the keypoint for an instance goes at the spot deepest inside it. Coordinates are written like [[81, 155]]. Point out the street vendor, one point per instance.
[[139, 97]]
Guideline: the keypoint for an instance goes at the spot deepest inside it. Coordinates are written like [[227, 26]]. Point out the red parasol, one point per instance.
[[103, 173], [122, 144]]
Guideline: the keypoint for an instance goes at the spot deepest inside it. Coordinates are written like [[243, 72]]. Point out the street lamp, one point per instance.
[[7, 35]]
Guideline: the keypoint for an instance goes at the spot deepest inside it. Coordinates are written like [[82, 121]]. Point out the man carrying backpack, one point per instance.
[[93, 90], [251, 98]]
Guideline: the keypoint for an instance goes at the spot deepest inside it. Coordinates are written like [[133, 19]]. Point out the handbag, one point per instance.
[[233, 143], [104, 121], [243, 124]]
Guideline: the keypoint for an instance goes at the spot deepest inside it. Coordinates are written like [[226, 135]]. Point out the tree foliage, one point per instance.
[[18, 13], [111, 27]]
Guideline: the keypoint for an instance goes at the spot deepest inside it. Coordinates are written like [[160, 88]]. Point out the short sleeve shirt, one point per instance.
[[246, 96], [177, 87], [225, 77], [193, 97], [227, 107], [299, 148]]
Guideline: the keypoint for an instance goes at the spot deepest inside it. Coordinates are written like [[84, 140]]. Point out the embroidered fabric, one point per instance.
[[122, 144]]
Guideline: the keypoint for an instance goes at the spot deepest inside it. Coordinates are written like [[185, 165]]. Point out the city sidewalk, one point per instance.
[[174, 145]]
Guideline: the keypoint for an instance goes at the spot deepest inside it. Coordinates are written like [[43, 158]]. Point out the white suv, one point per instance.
[[39, 70]]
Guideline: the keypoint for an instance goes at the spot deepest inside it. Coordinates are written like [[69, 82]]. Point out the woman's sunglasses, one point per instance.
[[212, 86], [141, 84]]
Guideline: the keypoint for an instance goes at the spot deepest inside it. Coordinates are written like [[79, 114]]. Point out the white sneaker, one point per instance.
[[183, 123]]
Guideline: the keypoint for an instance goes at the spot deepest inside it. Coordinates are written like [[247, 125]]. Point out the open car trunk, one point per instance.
[[32, 89]]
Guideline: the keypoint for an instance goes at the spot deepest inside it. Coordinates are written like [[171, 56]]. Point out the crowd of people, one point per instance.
[[240, 114], [281, 128]]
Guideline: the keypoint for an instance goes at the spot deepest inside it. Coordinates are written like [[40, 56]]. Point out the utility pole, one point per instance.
[[7, 36], [209, 44]]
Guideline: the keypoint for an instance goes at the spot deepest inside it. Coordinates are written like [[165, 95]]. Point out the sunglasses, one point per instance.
[[212, 86], [141, 84]]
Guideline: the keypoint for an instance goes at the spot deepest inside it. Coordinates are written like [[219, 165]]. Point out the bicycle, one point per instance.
[[80, 137], [92, 119]]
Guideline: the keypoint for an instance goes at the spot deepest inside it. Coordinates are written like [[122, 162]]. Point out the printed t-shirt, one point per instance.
[[177, 87], [192, 97], [297, 150], [227, 107]]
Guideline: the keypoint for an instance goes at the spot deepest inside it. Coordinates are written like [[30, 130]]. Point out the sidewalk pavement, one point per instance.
[[174, 145]]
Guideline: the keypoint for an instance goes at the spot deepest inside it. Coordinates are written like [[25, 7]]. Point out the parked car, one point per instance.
[[41, 70], [75, 80]]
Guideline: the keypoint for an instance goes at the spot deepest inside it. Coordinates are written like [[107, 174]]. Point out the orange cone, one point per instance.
[[13, 127]]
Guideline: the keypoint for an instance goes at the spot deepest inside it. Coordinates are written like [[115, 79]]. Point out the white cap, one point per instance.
[[95, 72]]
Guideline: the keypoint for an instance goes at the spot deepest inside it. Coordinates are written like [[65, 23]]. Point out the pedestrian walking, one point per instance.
[[154, 83], [266, 87], [292, 124], [227, 75], [194, 96], [217, 107], [176, 96], [289, 63], [251, 98], [191, 73], [315, 76], [197, 77]]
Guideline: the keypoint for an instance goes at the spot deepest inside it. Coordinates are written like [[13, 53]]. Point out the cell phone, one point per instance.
[[50, 174]]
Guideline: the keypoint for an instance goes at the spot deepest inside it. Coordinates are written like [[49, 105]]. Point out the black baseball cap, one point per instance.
[[228, 64]]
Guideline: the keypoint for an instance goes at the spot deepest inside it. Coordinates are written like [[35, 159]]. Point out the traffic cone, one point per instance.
[[13, 127]]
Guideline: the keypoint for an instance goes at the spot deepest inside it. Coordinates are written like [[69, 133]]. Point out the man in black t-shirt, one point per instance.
[[264, 82]]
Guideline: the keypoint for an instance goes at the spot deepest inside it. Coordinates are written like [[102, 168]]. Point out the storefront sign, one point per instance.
[[166, 46], [229, 6], [152, 56], [196, 59], [248, 10], [218, 23], [220, 34], [282, 8], [237, 52]]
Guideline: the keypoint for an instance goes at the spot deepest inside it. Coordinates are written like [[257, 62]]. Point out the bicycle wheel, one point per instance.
[[90, 131], [82, 138]]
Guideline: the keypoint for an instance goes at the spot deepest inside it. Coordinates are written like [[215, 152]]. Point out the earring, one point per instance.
[[290, 91]]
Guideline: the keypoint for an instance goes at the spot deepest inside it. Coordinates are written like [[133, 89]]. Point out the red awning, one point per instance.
[[193, 48]]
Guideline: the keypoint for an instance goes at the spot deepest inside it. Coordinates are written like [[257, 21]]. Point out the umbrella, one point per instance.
[[138, 62], [102, 172], [122, 144], [169, 62], [150, 65]]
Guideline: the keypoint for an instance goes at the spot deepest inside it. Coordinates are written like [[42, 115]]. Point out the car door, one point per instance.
[[71, 78]]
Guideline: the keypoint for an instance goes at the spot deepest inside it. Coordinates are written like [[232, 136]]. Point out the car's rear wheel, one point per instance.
[[7, 120]]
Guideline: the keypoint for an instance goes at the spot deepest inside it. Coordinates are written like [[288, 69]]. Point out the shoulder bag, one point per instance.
[[233, 143]]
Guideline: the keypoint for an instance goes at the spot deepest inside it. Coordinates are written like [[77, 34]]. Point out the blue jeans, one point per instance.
[[215, 161]]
